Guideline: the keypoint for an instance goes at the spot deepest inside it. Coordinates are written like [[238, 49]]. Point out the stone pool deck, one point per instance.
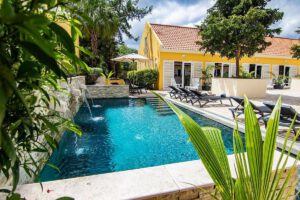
[[182, 181]]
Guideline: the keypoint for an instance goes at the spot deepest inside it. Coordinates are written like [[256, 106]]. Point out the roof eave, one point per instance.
[[203, 52]]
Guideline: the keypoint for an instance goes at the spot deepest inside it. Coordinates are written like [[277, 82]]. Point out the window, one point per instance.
[[258, 71], [284, 70], [252, 68], [281, 70], [226, 70], [218, 70], [221, 70], [287, 71], [255, 70], [178, 72]]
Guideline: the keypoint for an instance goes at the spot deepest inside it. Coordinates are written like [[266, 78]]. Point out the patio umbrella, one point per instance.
[[131, 58]]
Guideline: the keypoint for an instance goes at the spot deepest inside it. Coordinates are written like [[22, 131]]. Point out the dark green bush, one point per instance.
[[146, 78], [92, 76]]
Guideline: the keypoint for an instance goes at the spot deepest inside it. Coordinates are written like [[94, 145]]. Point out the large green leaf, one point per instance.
[[63, 36], [269, 148], [254, 147], [44, 58], [29, 69], [16, 175]]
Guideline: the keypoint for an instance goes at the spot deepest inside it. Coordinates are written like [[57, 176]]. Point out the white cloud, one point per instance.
[[190, 13], [291, 18]]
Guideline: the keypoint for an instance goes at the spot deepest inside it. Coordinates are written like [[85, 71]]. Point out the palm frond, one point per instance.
[[254, 161]]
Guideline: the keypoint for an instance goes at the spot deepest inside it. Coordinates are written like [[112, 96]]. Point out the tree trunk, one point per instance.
[[237, 61], [94, 45]]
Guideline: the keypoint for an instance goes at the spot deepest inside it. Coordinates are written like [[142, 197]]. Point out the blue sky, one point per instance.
[[191, 12]]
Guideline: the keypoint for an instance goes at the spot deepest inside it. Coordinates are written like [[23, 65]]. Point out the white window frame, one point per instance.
[[182, 70], [222, 69], [284, 69], [255, 75]]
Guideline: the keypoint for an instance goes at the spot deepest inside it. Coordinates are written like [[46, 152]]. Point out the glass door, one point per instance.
[[178, 73], [258, 73], [218, 70], [287, 75], [187, 69]]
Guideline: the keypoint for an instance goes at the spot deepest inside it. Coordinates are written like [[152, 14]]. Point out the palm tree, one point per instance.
[[100, 21]]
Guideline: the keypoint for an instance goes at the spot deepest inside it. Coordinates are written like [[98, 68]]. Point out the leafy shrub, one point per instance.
[[92, 76], [107, 74], [280, 80], [145, 78], [246, 75], [207, 75], [150, 76], [131, 76]]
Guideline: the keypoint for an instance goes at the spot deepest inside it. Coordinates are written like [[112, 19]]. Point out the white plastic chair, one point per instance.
[[194, 84], [173, 83]]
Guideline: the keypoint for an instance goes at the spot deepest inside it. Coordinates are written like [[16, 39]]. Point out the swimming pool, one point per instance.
[[124, 134]]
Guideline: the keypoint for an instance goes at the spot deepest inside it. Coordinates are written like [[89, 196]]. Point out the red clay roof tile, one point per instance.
[[184, 39]]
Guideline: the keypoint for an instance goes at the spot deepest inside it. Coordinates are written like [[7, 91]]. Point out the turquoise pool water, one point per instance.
[[125, 134]]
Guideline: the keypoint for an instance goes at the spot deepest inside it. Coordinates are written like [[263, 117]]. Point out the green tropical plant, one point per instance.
[[107, 75], [254, 160], [92, 75], [245, 74], [238, 28], [106, 22], [145, 78], [100, 20], [150, 77], [36, 54], [279, 80], [207, 75], [296, 48]]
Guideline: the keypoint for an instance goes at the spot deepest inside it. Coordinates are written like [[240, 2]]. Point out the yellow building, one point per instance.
[[174, 52]]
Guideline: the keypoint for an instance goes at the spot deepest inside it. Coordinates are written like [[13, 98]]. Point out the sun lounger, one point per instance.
[[204, 99], [287, 114], [187, 94], [262, 111], [175, 92]]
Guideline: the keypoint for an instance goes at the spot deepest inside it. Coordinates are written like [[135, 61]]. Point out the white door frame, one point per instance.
[[182, 73]]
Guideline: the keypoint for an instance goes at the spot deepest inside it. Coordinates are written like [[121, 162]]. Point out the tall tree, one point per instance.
[[100, 20], [296, 48], [237, 28], [108, 21]]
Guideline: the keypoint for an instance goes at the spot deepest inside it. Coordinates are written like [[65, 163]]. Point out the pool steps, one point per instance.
[[160, 107]]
